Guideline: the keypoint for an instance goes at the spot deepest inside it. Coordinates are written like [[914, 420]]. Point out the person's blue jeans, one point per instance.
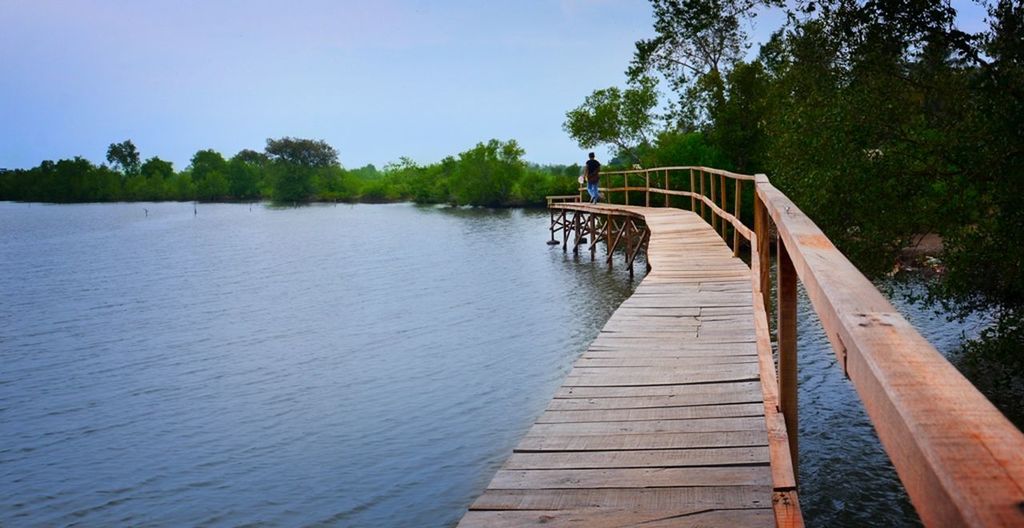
[[592, 191]]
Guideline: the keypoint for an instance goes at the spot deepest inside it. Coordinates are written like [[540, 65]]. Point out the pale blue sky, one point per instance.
[[377, 79]]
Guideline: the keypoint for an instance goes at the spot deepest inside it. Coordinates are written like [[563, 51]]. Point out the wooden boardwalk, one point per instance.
[[661, 422]]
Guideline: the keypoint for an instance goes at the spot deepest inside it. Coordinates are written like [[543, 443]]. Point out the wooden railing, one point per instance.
[[960, 460]]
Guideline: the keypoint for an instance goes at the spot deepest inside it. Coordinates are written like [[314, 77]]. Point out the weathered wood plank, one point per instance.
[[726, 456], [638, 499], [605, 518], [660, 477], [661, 412], [643, 441], [692, 425], [736, 392]]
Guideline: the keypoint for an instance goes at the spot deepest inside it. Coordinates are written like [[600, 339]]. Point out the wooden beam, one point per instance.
[[960, 459], [786, 328]]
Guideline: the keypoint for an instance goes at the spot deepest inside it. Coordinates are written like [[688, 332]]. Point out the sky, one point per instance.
[[377, 79]]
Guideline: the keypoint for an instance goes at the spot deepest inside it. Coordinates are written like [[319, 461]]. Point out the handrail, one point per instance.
[[960, 460]]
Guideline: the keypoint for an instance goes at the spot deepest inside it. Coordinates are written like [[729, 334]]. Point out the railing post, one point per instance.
[[625, 186], [647, 185], [764, 254], [693, 188], [666, 187], [736, 213], [787, 347], [703, 216], [725, 225], [714, 200]]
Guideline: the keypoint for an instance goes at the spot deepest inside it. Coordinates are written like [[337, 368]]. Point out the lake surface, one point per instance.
[[367, 365]]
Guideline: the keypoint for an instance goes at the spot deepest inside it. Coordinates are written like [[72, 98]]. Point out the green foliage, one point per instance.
[[297, 166], [298, 170], [696, 44], [623, 118], [486, 173], [125, 157], [210, 175], [245, 172], [675, 148]]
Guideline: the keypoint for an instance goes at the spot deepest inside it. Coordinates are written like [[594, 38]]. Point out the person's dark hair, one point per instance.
[[591, 155]]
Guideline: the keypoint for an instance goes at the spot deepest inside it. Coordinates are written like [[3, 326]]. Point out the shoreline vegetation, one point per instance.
[[295, 170]]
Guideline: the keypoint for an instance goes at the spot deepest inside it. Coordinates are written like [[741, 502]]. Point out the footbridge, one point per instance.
[[683, 411]]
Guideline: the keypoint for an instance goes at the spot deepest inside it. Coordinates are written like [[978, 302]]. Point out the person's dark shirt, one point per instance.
[[593, 171]]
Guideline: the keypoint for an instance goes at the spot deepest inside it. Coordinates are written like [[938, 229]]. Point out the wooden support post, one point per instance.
[[736, 213], [666, 187], [610, 225], [625, 185], [693, 199], [576, 224], [553, 220], [629, 243], [647, 185], [714, 200], [764, 255], [703, 214], [787, 346], [565, 232], [722, 191]]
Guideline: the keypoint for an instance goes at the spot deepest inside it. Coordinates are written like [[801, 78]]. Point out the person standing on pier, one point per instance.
[[593, 173]]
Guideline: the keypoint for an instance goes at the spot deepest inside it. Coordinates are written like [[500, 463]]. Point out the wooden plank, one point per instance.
[[643, 441], [663, 376], [662, 361], [660, 477], [727, 456], [786, 506], [663, 412], [637, 499], [605, 518], [737, 392], [683, 425]]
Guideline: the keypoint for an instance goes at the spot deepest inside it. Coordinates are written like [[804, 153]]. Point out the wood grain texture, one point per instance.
[[661, 421], [960, 459]]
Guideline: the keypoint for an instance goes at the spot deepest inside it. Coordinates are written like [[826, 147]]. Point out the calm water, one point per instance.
[[346, 365]]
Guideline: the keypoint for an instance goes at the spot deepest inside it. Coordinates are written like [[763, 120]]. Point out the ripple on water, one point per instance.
[[321, 364], [352, 365]]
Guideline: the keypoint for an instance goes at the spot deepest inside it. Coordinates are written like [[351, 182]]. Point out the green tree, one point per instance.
[[245, 173], [293, 166], [485, 174], [152, 183], [125, 157], [210, 175], [623, 118], [695, 46]]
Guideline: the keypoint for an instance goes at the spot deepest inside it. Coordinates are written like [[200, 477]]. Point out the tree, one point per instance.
[[293, 165], [623, 118], [485, 174], [697, 43], [155, 173], [245, 170], [125, 157], [209, 174], [738, 117]]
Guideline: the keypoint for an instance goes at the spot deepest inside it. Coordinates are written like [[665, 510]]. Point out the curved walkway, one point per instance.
[[661, 421]]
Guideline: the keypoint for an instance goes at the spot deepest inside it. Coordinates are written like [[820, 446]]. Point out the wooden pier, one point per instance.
[[683, 413], [662, 419]]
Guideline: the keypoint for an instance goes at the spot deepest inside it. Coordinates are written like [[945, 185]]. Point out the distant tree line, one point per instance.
[[294, 170], [881, 119]]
